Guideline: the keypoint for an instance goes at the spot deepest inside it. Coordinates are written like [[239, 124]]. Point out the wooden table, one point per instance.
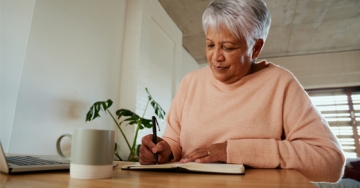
[[125, 178]]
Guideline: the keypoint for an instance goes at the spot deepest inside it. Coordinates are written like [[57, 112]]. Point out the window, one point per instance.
[[341, 108]]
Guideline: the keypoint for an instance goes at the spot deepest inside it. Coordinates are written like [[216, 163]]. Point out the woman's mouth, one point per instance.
[[220, 68]]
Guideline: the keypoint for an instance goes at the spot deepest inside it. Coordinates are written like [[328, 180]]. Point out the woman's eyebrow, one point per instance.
[[222, 42], [228, 42]]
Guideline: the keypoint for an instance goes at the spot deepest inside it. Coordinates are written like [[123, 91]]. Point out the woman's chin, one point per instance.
[[221, 77]]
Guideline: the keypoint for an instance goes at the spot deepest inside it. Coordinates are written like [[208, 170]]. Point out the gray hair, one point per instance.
[[245, 19]]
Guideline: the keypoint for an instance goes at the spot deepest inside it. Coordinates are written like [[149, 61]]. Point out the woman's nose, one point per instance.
[[218, 55]]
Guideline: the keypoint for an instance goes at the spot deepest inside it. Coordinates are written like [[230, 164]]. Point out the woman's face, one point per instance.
[[229, 58]]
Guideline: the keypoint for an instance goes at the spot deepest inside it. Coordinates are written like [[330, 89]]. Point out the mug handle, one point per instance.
[[58, 148]]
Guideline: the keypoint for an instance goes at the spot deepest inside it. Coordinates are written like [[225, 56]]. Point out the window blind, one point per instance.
[[341, 108]]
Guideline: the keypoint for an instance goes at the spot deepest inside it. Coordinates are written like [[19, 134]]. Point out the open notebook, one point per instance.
[[220, 168]]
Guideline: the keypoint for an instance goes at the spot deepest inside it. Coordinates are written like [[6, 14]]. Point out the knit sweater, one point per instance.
[[266, 117]]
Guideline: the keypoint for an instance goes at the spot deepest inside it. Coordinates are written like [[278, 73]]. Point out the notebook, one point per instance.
[[22, 163], [219, 168]]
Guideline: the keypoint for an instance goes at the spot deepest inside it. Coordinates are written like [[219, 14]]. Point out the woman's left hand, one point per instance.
[[213, 153]]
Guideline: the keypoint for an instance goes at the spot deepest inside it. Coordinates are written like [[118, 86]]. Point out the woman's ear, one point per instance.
[[259, 44]]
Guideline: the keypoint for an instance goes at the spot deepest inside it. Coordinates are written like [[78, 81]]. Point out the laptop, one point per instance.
[[27, 163]]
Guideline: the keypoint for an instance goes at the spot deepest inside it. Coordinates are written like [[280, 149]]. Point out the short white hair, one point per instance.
[[245, 19]]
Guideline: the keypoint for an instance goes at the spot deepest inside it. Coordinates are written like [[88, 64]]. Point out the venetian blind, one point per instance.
[[341, 108]]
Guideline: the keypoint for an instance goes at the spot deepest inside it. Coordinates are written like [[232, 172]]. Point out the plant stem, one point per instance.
[[132, 152], [127, 142], [118, 156], [147, 104]]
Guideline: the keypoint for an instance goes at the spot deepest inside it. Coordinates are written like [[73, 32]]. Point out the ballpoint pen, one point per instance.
[[154, 122]]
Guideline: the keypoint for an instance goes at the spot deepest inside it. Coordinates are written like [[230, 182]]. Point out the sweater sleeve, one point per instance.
[[172, 131], [308, 145], [173, 128]]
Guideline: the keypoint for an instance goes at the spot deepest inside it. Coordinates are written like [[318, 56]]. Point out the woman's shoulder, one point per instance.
[[274, 74], [194, 78], [282, 77], [280, 72]]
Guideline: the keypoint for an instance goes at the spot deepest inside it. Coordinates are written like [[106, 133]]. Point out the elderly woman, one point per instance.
[[239, 111]]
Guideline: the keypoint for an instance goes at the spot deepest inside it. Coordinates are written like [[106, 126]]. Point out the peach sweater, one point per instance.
[[266, 118]]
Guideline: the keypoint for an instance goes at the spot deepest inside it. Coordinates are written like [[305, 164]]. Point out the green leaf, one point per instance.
[[160, 113], [94, 110], [110, 102], [89, 114], [153, 104], [133, 119], [149, 95], [125, 112], [104, 106], [147, 123]]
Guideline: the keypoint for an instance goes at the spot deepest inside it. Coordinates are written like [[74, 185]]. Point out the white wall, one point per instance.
[[72, 56], [324, 70], [203, 65], [189, 64], [77, 52], [153, 59]]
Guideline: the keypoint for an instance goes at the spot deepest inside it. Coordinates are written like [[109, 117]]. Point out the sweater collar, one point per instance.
[[233, 86]]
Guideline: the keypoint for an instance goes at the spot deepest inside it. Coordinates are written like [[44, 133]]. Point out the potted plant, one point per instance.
[[127, 117]]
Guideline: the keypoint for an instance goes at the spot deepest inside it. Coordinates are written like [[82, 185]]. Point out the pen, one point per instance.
[[154, 122]]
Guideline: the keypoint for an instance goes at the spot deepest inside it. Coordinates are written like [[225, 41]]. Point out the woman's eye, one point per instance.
[[228, 49], [209, 45]]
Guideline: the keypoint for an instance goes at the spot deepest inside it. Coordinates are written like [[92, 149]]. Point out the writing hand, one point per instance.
[[148, 148], [213, 153]]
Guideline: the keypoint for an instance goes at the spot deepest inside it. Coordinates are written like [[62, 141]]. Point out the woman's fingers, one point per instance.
[[196, 154], [146, 155], [213, 153], [148, 149], [164, 151]]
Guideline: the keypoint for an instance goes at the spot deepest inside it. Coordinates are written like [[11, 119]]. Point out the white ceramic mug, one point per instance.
[[92, 153]]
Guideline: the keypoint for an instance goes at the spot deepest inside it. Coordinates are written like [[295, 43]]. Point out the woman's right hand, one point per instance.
[[148, 149]]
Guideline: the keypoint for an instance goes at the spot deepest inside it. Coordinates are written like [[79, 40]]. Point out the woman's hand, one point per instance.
[[148, 149], [213, 153]]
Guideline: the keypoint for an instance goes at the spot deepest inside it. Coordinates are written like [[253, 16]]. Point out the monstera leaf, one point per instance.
[[96, 107], [158, 110], [133, 119]]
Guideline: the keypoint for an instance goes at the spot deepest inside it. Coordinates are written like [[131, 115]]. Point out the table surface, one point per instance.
[[128, 178]]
